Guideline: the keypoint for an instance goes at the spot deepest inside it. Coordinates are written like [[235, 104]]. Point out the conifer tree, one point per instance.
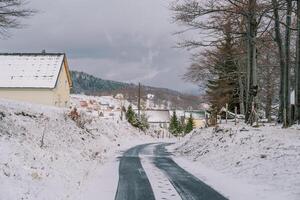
[[174, 125], [189, 125], [223, 88], [143, 122], [132, 118], [181, 127], [130, 115]]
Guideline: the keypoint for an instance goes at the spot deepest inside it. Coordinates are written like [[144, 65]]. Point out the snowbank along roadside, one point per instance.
[[255, 163], [70, 155]]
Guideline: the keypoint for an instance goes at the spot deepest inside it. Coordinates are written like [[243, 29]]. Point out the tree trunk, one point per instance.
[[251, 67], [241, 96], [286, 80], [279, 43], [269, 94], [268, 109], [297, 69], [248, 73], [241, 89]]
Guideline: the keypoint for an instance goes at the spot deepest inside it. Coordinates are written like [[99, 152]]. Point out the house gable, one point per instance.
[[65, 68], [66, 65]]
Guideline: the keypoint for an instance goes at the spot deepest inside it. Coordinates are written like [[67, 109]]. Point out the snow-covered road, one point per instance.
[[167, 179]]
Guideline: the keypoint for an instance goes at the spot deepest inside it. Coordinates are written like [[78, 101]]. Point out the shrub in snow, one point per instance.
[[74, 115], [2, 115], [26, 114], [81, 119]]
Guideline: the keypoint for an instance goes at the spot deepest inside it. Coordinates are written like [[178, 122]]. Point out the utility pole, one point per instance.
[[139, 101]]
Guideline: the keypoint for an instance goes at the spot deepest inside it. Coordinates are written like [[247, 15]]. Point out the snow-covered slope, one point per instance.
[[266, 159], [69, 155]]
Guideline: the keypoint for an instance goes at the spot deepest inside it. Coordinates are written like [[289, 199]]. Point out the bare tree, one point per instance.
[[11, 13], [286, 80], [251, 21], [279, 42], [268, 76], [210, 16]]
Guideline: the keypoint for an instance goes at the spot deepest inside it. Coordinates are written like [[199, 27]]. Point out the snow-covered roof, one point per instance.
[[179, 113], [30, 70], [196, 114]]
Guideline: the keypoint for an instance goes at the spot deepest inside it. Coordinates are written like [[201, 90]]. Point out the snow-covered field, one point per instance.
[[257, 163], [69, 159]]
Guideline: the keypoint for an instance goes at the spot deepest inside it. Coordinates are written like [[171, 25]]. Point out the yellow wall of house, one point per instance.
[[40, 96], [59, 96], [199, 123]]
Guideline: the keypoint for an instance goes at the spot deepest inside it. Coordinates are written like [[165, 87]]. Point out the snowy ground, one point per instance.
[[79, 163], [71, 159], [261, 163]]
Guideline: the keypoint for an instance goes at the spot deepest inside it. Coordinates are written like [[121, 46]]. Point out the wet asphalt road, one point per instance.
[[134, 184]]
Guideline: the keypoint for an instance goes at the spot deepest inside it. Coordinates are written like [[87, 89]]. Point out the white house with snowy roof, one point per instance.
[[41, 78], [158, 118]]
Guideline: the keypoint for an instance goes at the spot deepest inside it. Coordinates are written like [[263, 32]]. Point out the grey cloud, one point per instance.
[[124, 40]]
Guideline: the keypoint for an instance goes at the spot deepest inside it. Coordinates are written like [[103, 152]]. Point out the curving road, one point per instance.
[[134, 183]]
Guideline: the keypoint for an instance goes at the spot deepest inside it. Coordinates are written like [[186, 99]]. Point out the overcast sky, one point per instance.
[[123, 40]]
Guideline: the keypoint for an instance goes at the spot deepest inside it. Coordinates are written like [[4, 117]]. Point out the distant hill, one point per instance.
[[84, 83], [88, 84]]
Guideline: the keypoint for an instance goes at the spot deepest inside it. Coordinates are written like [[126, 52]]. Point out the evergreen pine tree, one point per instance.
[[143, 123], [189, 125], [132, 118], [130, 115], [174, 128], [181, 126], [223, 88]]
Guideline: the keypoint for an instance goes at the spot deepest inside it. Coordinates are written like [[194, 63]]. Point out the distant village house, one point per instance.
[[158, 118], [42, 78]]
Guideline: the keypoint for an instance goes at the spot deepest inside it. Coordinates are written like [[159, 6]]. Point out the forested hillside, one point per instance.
[[88, 84], [84, 83]]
